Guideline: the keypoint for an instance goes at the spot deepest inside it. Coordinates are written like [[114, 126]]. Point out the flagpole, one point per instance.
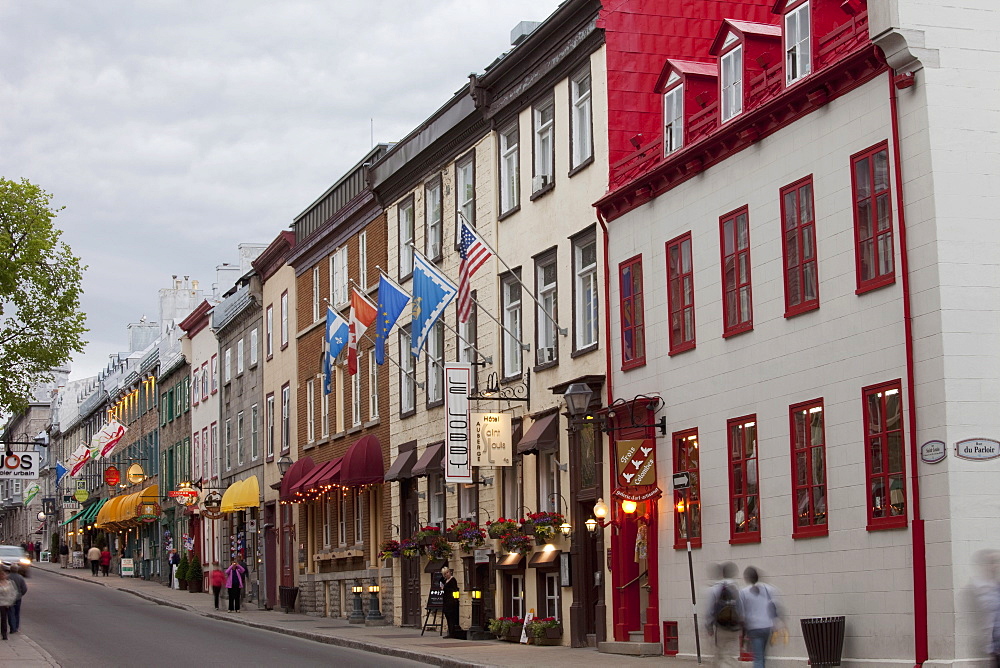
[[487, 360], [562, 330], [524, 346], [367, 335]]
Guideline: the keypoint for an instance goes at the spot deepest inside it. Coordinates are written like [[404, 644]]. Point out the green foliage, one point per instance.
[[54, 544], [194, 571], [40, 319], [182, 569]]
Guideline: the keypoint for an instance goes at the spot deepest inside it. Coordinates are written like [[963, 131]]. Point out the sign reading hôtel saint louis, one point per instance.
[[977, 449]]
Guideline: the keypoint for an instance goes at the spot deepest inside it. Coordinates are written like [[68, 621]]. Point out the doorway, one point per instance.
[[409, 568]]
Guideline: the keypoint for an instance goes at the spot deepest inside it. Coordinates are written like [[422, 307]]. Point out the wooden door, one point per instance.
[[410, 568]]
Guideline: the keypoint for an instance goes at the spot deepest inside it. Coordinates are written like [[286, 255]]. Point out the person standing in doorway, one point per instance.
[[218, 581], [450, 602], [94, 557], [173, 560], [234, 582], [760, 614], [14, 617]]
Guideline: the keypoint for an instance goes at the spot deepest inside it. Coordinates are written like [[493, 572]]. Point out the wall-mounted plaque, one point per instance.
[[933, 452], [977, 449]]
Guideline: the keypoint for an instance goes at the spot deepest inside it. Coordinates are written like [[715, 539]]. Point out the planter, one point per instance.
[[513, 634], [550, 642], [426, 540], [451, 536], [554, 634], [194, 586], [182, 584], [287, 596]]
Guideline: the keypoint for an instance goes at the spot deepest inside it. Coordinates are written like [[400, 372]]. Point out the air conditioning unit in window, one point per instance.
[[539, 182], [546, 355]]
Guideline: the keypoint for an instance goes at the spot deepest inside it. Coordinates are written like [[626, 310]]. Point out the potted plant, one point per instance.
[[389, 549], [439, 548], [427, 534], [181, 572], [506, 628], [409, 548], [194, 574], [500, 527], [468, 535], [545, 631], [544, 525], [516, 542]]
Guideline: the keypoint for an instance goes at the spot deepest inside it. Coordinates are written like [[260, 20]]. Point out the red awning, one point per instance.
[[431, 461], [298, 470], [331, 474], [363, 463], [310, 481]]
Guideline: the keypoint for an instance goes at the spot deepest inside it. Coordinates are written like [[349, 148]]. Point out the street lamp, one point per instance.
[[375, 617], [358, 614], [284, 464], [477, 613]]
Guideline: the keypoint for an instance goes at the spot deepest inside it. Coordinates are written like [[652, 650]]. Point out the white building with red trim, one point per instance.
[[807, 275]]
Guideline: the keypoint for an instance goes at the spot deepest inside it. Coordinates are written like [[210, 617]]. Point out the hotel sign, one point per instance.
[[492, 444], [457, 453]]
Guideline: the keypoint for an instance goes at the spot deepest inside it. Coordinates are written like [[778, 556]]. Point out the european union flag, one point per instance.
[[336, 339], [391, 302], [432, 292]]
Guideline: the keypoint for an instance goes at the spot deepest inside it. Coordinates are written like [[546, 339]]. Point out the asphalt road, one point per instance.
[[84, 625]]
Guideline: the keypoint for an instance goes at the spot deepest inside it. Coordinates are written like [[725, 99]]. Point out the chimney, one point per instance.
[[522, 30]]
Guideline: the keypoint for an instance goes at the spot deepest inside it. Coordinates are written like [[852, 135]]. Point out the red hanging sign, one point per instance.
[[112, 476]]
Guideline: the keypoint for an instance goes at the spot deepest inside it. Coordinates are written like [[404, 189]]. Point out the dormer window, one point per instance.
[[732, 79], [798, 45], [673, 115]]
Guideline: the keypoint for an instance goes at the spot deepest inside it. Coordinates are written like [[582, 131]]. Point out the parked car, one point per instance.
[[12, 556]]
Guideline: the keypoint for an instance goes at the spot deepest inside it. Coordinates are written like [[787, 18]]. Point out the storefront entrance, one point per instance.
[[410, 568]]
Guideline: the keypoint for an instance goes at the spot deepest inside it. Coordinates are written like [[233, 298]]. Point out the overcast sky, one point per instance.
[[172, 131]]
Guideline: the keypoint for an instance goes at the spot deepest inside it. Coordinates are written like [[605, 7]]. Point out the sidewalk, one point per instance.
[[405, 643], [21, 651]]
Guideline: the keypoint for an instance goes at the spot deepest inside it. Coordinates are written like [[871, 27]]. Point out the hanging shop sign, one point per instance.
[[135, 474], [457, 458], [147, 512], [492, 443], [187, 496], [933, 452], [112, 476], [81, 495], [211, 506], [977, 449], [20, 465], [635, 461]]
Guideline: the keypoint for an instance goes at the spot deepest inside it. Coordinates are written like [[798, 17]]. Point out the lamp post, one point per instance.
[[358, 614], [284, 464], [375, 617], [476, 629]]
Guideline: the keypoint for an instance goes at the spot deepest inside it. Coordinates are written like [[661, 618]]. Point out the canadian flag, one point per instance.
[[363, 314]]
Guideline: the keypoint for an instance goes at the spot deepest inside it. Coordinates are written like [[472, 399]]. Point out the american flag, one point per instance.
[[474, 253]]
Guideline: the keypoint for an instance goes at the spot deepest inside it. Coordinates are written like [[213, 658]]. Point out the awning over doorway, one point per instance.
[[75, 517], [90, 513], [545, 559], [293, 475], [430, 461], [241, 495], [363, 463], [511, 562], [312, 482], [435, 565], [402, 467], [127, 510], [542, 435]]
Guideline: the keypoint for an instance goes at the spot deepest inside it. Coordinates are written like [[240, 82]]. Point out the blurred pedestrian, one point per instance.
[[14, 616], [724, 618], [8, 597], [760, 614], [30, 548], [105, 561], [173, 560], [38, 549], [63, 555], [234, 582], [986, 589], [218, 580], [94, 557]]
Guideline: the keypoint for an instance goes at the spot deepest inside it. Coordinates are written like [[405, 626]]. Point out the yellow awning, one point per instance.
[[241, 495], [123, 509], [108, 511]]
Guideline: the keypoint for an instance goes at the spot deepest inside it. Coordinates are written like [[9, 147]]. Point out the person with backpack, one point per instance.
[[14, 614], [724, 619], [760, 614]]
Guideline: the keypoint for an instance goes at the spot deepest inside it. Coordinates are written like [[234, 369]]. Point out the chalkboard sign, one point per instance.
[[435, 599], [435, 607]]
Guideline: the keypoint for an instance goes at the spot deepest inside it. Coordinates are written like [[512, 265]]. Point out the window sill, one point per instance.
[[742, 329], [583, 351], [811, 532], [372, 423], [283, 346], [682, 545], [802, 308], [339, 435], [269, 357], [269, 459], [875, 284], [509, 212], [744, 539], [406, 414], [354, 430], [546, 365], [507, 380], [542, 191], [634, 364], [682, 349], [309, 446], [893, 523], [582, 166], [404, 279]]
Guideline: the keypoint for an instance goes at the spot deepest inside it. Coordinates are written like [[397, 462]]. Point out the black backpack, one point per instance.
[[727, 611]]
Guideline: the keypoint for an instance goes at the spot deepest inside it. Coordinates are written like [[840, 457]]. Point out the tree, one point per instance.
[[40, 319]]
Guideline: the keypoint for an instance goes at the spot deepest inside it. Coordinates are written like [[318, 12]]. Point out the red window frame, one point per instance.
[[737, 290], [215, 373], [196, 394], [685, 444], [798, 245], [882, 473], [203, 390], [743, 467], [815, 511], [872, 193], [680, 294], [632, 313]]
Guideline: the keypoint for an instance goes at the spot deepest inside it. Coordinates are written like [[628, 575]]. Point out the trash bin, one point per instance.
[[824, 637], [287, 596]]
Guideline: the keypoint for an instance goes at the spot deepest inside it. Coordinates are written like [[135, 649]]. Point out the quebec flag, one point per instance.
[[432, 292], [337, 335]]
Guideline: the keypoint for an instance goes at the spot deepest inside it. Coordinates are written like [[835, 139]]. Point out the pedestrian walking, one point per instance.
[[38, 549], [94, 557], [724, 617], [14, 616], [64, 556], [234, 582], [30, 548], [450, 603], [105, 561], [760, 614], [218, 580], [173, 560], [8, 597]]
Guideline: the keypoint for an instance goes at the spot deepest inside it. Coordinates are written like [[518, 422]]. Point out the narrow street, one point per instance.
[[80, 624]]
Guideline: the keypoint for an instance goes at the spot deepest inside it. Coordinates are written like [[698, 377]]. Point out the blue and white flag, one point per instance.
[[337, 335], [391, 302], [60, 471], [432, 292]]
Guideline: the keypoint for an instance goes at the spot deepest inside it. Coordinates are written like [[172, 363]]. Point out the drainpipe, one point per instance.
[[920, 622], [601, 609]]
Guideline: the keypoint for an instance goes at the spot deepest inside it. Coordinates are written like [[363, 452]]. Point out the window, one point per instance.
[[327, 510], [207, 456], [744, 490], [798, 55], [372, 386], [737, 299], [680, 294], [732, 83], [465, 191], [363, 259], [338, 393], [433, 228], [269, 331], [310, 410], [808, 469], [673, 119], [551, 604], [587, 299], [253, 346], [468, 498], [435, 500], [510, 172], [798, 244], [434, 365], [269, 426], [873, 218], [215, 374], [356, 398], [544, 117], [467, 341], [548, 481], [286, 416], [510, 292], [405, 220], [581, 124], [339, 293], [240, 443], [215, 450], [359, 516], [633, 323], [254, 435], [546, 344], [517, 595], [687, 502], [513, 486], [324, 407], [227, 365], [342, 518], [196, 440], [884, 459], [204, 381], [196, 395], [315, 295], [284, 319], [239, 357], [407, 382], [229, 444]]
